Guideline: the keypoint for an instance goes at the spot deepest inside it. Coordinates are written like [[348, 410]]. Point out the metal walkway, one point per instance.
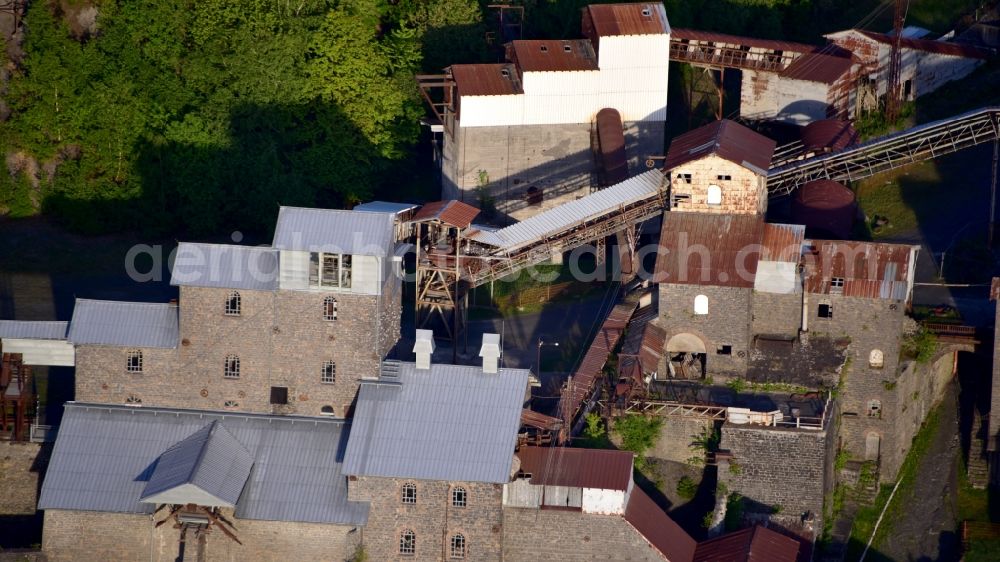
[[924, 142]]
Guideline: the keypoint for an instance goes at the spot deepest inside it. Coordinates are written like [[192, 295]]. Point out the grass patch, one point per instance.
[[901, 198]]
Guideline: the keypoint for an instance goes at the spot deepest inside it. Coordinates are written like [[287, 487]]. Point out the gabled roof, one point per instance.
[[450, 422], [226, 266], [552, 55], [645, 18], [725, 139], [104, 456], [451, 212], [709, 249], [818, 67], [36, 330], [755, 544], [602, 469], [658, 528], [335, 231], [868, 269], [926, 45], [135, 324], [209, 467], [486, 79]]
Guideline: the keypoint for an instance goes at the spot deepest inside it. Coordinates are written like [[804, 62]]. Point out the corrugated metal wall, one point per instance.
[[55, 353]]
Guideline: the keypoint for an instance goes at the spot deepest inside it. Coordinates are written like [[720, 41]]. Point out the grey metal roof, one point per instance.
[[36, 330], [210, 459], [334, 230], [558, 218], [385, 207], [136, 324], [450, 422], [225, 265], [104, 456]]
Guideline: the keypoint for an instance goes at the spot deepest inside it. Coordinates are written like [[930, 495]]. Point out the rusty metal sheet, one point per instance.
[[782, 242], [658, 528], [611, 138], [534, 419], [756, 544], [601, 469], [868, 269], [927, 45], [593, 361], [738, 41], [818, 67], [709, 249], [552, 55], [626, 19], [725, 139], [454, 213], [486, 79]]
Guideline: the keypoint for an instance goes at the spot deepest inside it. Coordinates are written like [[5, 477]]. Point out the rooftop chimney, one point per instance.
[[490, 352], [423, 348]]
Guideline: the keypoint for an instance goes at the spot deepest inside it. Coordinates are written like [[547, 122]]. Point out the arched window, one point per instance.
[[134, 362], [714, 195], [458, 496], [232, 368], [133, 400], [409, 493], [701, 304], [231, 404], [233, 304], [407, 542], [329, 309], [327, 411], [876, 359], [329, 373], [458, 546]]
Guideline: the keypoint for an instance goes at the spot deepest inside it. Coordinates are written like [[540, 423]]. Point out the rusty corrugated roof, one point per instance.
[[818, 67], [868, 269], [738, 41], [592, 364], [602, 469], [755, 544], [782, 242], [534, 419], [725, 139], [709, 249], [658, 528], [927, 45], [628, 19], [552, 55], [485, 79], [454, 213]]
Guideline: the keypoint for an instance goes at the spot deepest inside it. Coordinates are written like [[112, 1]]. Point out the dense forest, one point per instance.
[[177, 116]]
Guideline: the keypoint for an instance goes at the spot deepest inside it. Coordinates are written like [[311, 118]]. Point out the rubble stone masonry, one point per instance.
[[533, 535], [727, 323], [21, 468], [743, 193]]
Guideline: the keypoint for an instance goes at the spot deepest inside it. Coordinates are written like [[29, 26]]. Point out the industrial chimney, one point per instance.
[[423, 348], [490, 352]]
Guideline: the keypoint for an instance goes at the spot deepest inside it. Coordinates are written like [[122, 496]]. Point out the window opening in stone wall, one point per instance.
[[231, 404], [233, 304], [825, 311], [678, 198], [458, 497], [329, 309], [409, 493], [232, 367], [724, 350], [876, 359], [407, 542], [134, 362], [330, 270], [837, 285], [714, 195], [279, 395], [701, 304], [686, 178], [724, 177], [458, 546], [133, 400], [874, 408], [327, 411], [329, 375]]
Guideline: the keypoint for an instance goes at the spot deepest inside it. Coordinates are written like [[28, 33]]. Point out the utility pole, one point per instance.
[[892, 101], [993, 192]]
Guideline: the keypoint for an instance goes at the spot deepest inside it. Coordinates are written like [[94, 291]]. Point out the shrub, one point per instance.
[[687, 488]]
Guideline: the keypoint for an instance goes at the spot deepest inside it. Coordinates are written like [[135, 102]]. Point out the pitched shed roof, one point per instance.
[[644, 18], [556, 219], [755, 544], [725, 139], [334, 230], [105, 455], [226, 266], [136, 324], [450, 422], [209, 467], [926, 45], [868, 269], [385, 207], [658, 528], [602, 469], [486, 79], [782, 242], [552, 55], [818, 67], [709, 249], [36, 330], [451, 212]]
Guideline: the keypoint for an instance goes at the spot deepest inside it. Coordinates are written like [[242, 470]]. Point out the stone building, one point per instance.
[[815, 86], [522, 136]]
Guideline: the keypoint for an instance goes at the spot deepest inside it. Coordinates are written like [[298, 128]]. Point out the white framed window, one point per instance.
[[134, 362], [458, 546], [876, 359], [329, 309], [407, 543], [133, 400], [329, 373], [330, 270], [233, 304], [714, 195], [232, 367], [701, 304], [837, 285], [459, 497], [409, 493]]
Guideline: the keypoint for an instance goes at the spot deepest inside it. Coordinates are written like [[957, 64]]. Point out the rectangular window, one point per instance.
[[329, 375], [134, 362], [724, 350], [686, 178], [836, 285], [279, 395], [724, 177], [825, 311], [330, 270]]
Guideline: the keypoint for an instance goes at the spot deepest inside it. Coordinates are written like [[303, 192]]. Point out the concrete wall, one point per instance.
[[744, 193], [81, 536], [432, 518], [537, 534], [22, 466], [727, 322]]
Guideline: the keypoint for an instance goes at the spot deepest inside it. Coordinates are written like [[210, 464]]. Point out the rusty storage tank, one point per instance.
[[826, 208], [828, 135], [611, 140]]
